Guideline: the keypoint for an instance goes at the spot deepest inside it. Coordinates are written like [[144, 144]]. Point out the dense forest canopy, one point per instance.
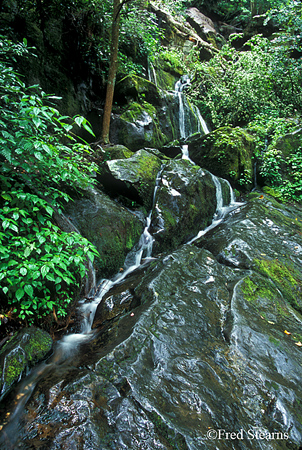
[[256, 85]]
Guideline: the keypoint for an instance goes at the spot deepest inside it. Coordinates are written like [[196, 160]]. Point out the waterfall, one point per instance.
[[151, 73], [183, 106], [221, 209], [179, 87], [133, 260], [202, 126]]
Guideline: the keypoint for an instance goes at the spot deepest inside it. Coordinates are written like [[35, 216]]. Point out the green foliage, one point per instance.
[[173, 59], [173, 6], [40, 266], [139, 37], [274, 165]]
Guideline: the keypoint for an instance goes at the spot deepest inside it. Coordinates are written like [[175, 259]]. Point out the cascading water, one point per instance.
[[180, 85], [221, 208], [151, 73], [133, 260], [202, 126]]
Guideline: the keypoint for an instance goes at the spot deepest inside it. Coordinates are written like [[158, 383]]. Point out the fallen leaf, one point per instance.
[[287, 332], [261, 196], [132, 314], [299, 344], [272, 323]]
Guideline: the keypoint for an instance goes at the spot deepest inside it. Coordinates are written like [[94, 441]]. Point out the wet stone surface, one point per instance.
[[203, 344]]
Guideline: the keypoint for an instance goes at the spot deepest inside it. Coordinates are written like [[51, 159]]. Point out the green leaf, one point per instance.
[[44, 270], [23, 271], [49, 209], [5, 224], [19, 294], [6, 196], [29, 290], [27, 252], [87, 128], [79, 120], [37, 121], [50, 277]]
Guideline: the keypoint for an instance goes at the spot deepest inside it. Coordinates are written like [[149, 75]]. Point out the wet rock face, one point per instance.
[[109, 226], [133, 177], [203, 25], [26, 348], [227, 153], [204, 350], [185, 204], [264, 236]]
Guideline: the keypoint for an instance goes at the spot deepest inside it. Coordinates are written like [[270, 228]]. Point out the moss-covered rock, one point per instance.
[[109, 226], [133, 178], [264, 236], [133, 87], [186, 203], [139, 126], [21, 352], [227, 152], [117, 152]]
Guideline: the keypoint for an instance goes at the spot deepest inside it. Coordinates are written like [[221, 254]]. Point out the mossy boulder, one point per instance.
[[227, 152], [132, 178], [264, 236], [117, 152], [26, 348], [134, 88], [138, 127], [109, 226], [168, 71], [289, 143], [185, 204]]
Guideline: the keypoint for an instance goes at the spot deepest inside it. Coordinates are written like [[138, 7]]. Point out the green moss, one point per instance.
[[270, 191], [227, 152], [14, 368], [252, 290], [37, 348], [285, 277], [274, 341]]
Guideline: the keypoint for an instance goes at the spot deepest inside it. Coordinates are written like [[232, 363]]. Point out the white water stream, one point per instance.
[[180, 85]]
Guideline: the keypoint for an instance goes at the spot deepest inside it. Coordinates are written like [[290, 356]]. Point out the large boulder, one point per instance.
[[289, 143], [264, 236], [133, 178], [227, 152], [185, 204], [20, 353], [203, 25], [108, 225], [139, 126], [133, 87]]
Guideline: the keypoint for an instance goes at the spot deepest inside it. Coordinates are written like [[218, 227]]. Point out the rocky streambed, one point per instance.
[[200, 349]]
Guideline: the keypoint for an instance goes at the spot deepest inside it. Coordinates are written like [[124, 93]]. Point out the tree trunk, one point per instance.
[[112, 70]]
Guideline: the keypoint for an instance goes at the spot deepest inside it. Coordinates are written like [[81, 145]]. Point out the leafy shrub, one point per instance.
[[234, 87], [40, 265]]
